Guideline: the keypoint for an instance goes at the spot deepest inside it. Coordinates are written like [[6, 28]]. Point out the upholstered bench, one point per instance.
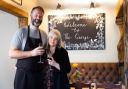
[[94, 72]]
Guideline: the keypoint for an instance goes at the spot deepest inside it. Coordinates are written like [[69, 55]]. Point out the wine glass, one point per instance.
[[40, 61], [49, 57], [50, 75]]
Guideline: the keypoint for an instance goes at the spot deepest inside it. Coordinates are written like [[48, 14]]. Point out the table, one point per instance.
[[79, 85], [108, 86]]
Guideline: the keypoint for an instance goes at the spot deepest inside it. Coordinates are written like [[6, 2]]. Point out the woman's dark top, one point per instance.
[[61, 57]]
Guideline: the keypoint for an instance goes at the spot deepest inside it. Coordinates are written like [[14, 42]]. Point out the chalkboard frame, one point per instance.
[[90, 28]]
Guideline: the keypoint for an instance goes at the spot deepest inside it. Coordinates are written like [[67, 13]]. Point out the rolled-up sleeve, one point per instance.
[[16, 41]]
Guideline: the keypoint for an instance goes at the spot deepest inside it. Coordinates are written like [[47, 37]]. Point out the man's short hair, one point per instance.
[[37, 7]]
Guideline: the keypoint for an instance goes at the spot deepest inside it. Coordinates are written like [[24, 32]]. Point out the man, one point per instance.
[[25, 48]]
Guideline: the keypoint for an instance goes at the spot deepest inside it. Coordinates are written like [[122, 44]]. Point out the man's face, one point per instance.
[[36, 17]]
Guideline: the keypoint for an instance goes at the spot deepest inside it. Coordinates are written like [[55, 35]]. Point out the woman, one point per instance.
[[59, 64]]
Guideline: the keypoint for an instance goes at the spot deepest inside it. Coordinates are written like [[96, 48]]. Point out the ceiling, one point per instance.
[[51, 4]]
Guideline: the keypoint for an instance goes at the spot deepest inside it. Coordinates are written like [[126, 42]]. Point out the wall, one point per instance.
[[111, 38], [112, 33], [8, 25]]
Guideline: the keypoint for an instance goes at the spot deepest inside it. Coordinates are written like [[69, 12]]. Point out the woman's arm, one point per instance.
[[65, 63]]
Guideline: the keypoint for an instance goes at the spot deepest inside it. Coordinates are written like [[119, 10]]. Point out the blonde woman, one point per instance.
[[59, 61]]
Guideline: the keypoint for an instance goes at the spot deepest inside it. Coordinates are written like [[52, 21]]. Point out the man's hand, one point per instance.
[[37, 51]]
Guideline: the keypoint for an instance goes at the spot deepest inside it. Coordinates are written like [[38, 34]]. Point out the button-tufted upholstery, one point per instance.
[[94, 72]]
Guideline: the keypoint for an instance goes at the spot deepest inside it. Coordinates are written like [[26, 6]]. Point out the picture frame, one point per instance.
[[19, 2], [82, 26]]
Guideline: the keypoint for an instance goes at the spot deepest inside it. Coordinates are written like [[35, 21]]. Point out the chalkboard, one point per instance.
[[80, 31]]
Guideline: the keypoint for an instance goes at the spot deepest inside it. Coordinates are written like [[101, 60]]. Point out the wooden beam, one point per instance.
[[120, 17], [119, 13], [12, 9]]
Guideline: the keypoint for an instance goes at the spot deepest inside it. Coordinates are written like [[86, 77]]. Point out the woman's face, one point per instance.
[[53, 41]]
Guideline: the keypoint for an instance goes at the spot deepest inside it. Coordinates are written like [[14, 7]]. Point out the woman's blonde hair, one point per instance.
[[57, 34]]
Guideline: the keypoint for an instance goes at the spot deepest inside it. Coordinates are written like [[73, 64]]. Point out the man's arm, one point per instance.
[[18, 54], [15, 53]]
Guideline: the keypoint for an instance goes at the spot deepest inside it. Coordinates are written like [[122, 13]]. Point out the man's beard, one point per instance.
[[36, 22]]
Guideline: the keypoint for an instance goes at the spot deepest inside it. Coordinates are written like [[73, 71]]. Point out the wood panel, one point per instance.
[[12, 9]]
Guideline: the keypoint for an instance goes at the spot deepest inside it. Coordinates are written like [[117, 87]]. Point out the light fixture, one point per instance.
[[92, 5], [58, 6]]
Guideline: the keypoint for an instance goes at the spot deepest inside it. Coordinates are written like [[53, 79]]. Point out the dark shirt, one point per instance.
[[61, 57]]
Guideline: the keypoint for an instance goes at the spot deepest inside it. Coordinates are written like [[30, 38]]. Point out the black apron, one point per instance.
[[29, 73]]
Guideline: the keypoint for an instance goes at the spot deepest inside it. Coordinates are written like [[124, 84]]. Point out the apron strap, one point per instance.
[[24, 37]]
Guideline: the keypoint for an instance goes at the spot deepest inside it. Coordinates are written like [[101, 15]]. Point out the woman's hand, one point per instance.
[[52, 62]]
